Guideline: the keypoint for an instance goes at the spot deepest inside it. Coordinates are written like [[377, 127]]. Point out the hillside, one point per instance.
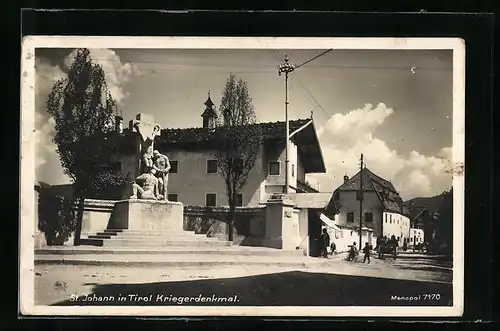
[[432, 204]]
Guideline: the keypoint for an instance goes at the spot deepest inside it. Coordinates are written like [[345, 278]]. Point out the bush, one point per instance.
[[107, 185], [56, 218]]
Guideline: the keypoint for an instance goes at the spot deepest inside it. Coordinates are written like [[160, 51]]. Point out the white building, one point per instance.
[[383, 214]]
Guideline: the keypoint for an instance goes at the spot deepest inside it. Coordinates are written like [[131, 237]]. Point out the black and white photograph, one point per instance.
[[177, 176]]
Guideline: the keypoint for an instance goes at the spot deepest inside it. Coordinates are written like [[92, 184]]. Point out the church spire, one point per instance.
[[209, 115], [209, 103]]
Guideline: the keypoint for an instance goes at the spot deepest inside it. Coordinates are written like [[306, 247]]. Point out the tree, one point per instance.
[[83, 109], [240, 141]]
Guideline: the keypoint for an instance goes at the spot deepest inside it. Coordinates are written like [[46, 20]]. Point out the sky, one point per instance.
[[394, 106]]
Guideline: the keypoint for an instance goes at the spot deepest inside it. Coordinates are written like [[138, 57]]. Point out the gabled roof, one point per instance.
[[306, 140], [384, 189], [371, 182], [269, 130]]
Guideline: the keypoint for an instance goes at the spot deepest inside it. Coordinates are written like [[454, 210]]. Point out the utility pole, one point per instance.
[[286, 67], [361, 196]]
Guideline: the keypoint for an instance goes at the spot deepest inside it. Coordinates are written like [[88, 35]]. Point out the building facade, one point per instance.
[[194, 177], [383, 214]]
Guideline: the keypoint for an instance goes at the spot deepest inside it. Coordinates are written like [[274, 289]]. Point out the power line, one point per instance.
[[309, 95], [314, 58]]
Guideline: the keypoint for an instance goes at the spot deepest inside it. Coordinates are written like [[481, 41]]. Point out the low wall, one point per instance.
[[96, 216], [248, 227]]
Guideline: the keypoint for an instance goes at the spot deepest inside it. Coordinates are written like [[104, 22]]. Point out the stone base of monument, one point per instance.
[[139, 214], [140, 223]]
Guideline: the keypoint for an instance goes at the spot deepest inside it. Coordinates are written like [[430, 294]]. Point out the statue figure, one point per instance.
[[146, 186], [147, 146], [147, 158], [162, 166]]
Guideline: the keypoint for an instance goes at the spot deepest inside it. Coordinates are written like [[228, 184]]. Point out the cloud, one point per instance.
[[46, 76], [118, 74], [345, 136]]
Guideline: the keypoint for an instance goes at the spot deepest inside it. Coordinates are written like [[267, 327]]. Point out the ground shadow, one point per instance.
[[431, 268], [293, 288]]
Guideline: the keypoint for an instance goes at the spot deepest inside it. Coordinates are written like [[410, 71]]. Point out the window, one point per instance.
[[174, 167], [173, 197], [350, 217], [115, 166], [369, 217], [293, 170], [398, 221], [211, 166], [385, 218], [390, 218], [210, 199], [274, 168], [239, 200]]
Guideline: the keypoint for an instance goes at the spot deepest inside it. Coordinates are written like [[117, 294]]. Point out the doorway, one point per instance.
[[314, 227]]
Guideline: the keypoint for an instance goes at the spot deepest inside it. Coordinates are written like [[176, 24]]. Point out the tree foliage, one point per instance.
[[56, 216], [240, 140], [83, 109]]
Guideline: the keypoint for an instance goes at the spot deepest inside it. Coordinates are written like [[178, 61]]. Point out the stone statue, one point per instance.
[[162, 166], [147, 146], [146, 186]]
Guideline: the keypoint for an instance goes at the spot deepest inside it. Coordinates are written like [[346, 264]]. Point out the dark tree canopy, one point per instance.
[[83, 109], [241, 139]]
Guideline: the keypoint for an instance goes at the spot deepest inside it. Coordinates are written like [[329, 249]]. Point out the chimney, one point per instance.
[[346, 178], [119, 124]]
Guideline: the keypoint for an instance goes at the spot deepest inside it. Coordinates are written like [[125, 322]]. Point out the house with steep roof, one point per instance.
[[194, 177], [383, 214]]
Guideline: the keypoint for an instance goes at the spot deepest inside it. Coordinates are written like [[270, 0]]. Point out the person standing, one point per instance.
[[366, 252], [394, 245], [325, 243], [353, 252], [379, 247], [333, 247]]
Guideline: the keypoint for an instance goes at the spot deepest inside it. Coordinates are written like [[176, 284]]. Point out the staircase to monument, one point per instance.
[[125, 238], [159, 248]]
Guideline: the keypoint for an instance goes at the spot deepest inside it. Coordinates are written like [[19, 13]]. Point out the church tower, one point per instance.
[[209, 115]]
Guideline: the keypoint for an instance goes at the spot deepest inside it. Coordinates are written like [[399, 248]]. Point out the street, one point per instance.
[[410, 280]]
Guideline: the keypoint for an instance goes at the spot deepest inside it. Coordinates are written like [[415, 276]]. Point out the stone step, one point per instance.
[[127, 232], [132, 242], [147, 238], [172, 250], [198, 260]]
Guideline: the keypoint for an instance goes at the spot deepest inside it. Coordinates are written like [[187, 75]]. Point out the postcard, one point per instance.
[[242, 176]]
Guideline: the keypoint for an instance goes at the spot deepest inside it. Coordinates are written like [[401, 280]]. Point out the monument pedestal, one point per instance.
[[153, 215], [279, 214]]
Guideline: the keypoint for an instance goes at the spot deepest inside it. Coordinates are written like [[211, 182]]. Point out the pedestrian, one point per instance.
[[379, 247], [325, 243], [366, 252], [353, 252], [394, 246], [383, 247], [333, 247]]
